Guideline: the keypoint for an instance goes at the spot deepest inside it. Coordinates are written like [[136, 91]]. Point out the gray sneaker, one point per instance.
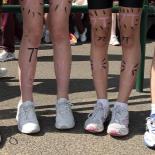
[[64, 115], [95, 121], [5, 56], [26, 118], [119, 122]]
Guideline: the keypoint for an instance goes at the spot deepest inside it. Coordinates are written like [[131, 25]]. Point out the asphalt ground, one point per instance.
[[51, 141]]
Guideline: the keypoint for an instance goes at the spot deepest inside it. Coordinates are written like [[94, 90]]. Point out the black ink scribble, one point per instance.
[[135, 68], [123, 65], [104, 63], [32, 51]]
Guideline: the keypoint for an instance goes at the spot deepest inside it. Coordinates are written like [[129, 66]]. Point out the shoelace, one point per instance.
[[152, 123], [96, 112], [26, 111], [63, 107], [117, 113]]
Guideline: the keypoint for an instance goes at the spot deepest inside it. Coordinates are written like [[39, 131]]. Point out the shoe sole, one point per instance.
[[93, 130], [31, 132], [146, 144], [8, 59], [114, 133], [64, 127], [151, 147]]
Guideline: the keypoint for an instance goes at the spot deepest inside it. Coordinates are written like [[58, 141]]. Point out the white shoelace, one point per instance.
[[26, 112], [152, 124], [117, 114], [64, 107], [97, 113]]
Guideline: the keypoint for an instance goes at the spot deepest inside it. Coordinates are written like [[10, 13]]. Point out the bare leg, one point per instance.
[[32, 12], [32, 30], [101, 26], [130, 38], [59, 26], [129, 27]]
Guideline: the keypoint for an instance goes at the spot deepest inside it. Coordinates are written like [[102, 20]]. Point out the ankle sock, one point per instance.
[[121, 104], [104, 102]]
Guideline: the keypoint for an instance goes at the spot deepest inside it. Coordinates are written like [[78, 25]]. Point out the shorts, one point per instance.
[[105, 4]]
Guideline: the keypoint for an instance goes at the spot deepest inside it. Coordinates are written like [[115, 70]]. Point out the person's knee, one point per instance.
[[101, 27], [130, 26], [130, 39], [33, 35], [60, 34]]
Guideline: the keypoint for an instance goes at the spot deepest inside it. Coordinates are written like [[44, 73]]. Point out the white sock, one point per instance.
[[62, 100], [121, 104], [104, 102], [152, 108]]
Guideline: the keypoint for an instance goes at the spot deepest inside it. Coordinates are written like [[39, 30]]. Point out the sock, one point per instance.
[[62, 100], [121, 104], [152, 108], [104, 102]]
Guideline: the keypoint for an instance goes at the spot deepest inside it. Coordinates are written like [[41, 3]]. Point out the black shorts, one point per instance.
[[46, 1], [105, 4]]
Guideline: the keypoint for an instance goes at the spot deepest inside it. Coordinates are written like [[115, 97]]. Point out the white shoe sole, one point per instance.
[[25, 131], [118, 132], [64, 127], [7, 59], [93, 129]]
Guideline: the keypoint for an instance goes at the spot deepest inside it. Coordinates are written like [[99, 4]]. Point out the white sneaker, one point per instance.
[[95, 120], [26, 118], [83, 36], [64, 115], [76, 33], [3, 72], [149, 136], [114, 41], [119, 122], [5, 56]]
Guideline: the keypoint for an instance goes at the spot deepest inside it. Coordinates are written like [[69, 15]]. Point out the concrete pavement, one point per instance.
[[51, 141]]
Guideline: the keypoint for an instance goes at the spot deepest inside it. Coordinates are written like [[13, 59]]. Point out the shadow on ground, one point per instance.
[[48, 86], [46, 116]]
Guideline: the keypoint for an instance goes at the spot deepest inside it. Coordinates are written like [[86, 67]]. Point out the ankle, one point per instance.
[[121, 104], [104, 102]]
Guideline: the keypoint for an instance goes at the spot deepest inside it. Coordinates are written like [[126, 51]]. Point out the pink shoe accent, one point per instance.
[[114, 133], [92, 129]]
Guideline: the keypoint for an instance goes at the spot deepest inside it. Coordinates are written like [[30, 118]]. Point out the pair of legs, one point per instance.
[[129, 19], [32, 12]]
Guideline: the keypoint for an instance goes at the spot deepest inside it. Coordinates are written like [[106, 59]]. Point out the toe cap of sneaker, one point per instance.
[[117, 130], [29, 128]]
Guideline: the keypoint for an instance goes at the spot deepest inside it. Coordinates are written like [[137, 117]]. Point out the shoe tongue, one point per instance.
[[100, 105]]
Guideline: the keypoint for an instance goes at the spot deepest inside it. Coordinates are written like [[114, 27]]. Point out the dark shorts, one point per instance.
[[46, 1], [104, 4]]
